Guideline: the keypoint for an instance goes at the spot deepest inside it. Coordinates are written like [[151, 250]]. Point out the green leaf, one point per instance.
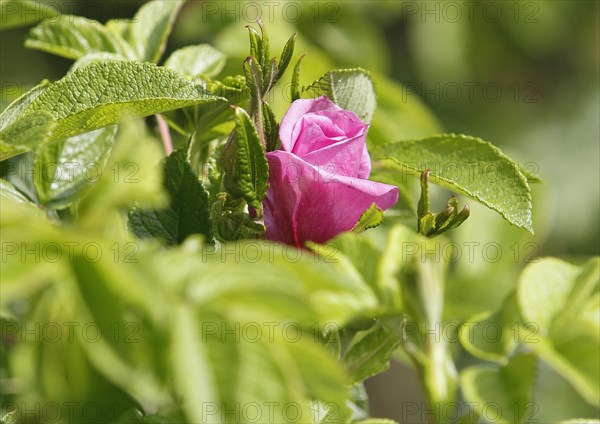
[[188, 212], [10, 418], [362, 253], [165, 417], [350, 89], [17, 107], [191, 364], [255, 42], [271, 128], [371, 218], [269, 76], [151, 27], [583, 301], [236, 369], [247, 169], [371, 355], [216, 351], [95, 57], [264, 46], [192, 61], [74, 37], [494, 336], [543, 290], [508, 388], [64, 168], [9, 192], [17, 13], [33, 129], [100, 94], [18, 170], [295, 84], [389, 267], [286, 56], [563, 302], [22, 136], [336, 288], [129, 178], [131, 348], [253, 73], [376, 421], [470, 166]]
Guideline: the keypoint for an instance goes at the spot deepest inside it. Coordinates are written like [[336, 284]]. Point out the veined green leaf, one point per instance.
[[64, 168], [95, 57], [101, 93], [21, 135], [17, 13], [371, 354], [286, 56], [16, 108], [247, 170], [188, 212], [73, 37], [467, 165], [195, 60], [32, 130], [150, 28], [350, 89]]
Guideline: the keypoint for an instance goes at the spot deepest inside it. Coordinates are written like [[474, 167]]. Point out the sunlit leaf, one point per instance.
[[470, 166]]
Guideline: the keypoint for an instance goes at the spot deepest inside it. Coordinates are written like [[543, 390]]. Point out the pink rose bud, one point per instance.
[[318, 185]]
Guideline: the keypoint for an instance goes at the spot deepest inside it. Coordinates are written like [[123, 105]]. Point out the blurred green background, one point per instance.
[[523, 75]]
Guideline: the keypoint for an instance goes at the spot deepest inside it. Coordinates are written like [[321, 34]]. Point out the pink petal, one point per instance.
[[319, 130], [342, 158], [296, 111], [304, 203], [364, 169]]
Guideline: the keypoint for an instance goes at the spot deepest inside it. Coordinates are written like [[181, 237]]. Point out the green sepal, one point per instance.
[[295, 85], [371, 218], [286, 55], [245, 164]]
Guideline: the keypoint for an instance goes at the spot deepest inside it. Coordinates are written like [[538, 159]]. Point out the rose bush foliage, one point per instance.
[[190, 307]]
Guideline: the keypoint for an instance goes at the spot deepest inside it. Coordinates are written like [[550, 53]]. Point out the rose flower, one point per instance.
[[318, 184]]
